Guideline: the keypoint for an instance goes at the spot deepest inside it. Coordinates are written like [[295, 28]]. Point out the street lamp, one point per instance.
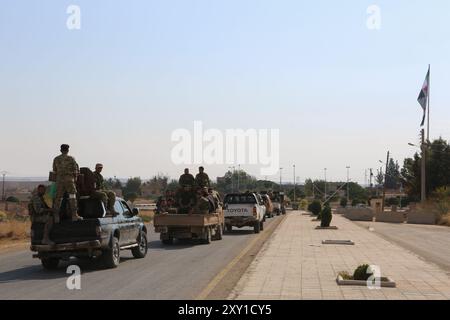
[[325, 187]]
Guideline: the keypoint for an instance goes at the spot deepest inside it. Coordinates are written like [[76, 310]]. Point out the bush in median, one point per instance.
[[315, 207], [326, 216]]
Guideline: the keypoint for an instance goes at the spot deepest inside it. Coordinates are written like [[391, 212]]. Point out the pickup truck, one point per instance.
[[204, 227], [98, 235], [244, 209], [278, 203]]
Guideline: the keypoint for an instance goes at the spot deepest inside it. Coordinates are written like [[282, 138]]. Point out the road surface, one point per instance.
[[430, 242], [179, 271]]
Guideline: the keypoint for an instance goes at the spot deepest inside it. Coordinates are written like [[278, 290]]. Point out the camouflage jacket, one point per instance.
[[203, 205], [65, 166], [186, 179], [202, 180], [38, 205], [99, 181]]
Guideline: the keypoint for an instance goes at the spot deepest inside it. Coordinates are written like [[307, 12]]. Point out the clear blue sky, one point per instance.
[[340, 94]]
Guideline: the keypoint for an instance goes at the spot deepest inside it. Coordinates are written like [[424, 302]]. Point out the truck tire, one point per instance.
[[111, 256], [50, 263], [219, 232], [229, 227], [207, 236], [257, 226], [141, 250], [166, 240]]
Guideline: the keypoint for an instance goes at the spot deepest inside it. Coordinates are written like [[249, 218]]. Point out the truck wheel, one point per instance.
[[219, 231], [141, 250], [262, 225], [111, 256], [229, 227], [207, 236], [166, 238], [50, 263], [257, 227]]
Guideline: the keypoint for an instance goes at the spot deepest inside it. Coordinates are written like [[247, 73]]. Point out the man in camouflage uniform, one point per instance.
[[40, 212], [186, 179], [203, 205], [185, 199], [66, 170], [106, 196], [215, 196], [201, 179]]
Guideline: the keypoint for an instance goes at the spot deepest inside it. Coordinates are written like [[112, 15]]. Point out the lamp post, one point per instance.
[[384, 183], [325, 187]]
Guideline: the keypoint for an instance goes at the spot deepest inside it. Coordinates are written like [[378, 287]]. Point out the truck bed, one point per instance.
[[198, 220], [67, 231]]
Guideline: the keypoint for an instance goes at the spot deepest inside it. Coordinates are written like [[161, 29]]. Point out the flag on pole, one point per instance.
[[423, 95]]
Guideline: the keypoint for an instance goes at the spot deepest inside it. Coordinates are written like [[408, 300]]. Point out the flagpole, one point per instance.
[[428, 111]]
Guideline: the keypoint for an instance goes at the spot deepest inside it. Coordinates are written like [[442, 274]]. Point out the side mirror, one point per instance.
[[135, 211]]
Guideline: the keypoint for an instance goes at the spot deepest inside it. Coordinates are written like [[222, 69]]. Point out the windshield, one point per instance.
[[240, 198]]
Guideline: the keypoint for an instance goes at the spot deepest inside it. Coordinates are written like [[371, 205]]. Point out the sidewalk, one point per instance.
[[295, 265]]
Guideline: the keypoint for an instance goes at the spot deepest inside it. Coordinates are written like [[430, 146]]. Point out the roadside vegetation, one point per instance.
[[14, 227]]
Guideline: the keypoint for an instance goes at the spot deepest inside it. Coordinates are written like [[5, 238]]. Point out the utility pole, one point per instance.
[[384, 184], [423, 194], [294, 181], [325, 187], [3, 185], [348, 179]]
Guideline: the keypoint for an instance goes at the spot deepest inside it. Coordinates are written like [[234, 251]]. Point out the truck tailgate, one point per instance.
[[67, 231], [166, 219]]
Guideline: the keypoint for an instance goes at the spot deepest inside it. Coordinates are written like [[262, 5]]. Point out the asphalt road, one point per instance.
[[179, 271], [429, 242]]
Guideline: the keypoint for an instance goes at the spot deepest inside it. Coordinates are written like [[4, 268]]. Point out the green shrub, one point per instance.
[[303, 204], [392, 202], [361, 272], [343, 202], [12, 199], [315, 207], [326, 216]]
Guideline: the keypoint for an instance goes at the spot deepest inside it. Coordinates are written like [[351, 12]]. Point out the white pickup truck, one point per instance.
[[244, 209]]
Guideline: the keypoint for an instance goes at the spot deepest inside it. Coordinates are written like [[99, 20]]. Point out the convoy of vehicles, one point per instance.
[[101, 235]]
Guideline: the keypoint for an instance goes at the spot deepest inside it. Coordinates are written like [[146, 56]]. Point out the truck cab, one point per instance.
[[244, 209]]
